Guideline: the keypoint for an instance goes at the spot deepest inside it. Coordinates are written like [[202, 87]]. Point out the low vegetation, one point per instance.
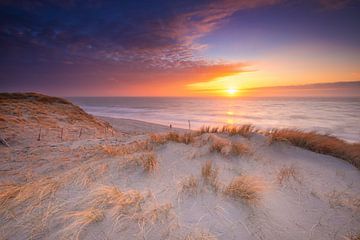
[[247, 188], [189, 185], [210, 173], [198, 234], [244, 130], [324, 144], [77, 221], [227, 147], [185, 138], [286, 174]]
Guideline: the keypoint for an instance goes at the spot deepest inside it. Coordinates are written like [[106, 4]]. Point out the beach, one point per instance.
[[66, 174]]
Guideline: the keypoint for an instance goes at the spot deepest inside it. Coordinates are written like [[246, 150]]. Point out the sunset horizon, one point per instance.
[[211, 48], [180, 119]]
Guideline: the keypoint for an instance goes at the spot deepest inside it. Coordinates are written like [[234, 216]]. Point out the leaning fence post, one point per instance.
[[61, 135], [80, 132], [189, 125], [39, 137]]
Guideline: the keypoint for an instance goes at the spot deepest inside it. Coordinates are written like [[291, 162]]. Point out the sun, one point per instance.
[[231, 91]]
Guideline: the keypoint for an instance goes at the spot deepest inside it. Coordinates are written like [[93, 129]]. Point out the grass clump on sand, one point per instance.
[[210, 175], [226, 147], [31, 194], [189, 185], [149, 162], [110, 196], [247, 188], [185, 138], [319, 143], [286, 174], [199, 235], [130, 148], [352, 236], [77, 221], [244, 130]]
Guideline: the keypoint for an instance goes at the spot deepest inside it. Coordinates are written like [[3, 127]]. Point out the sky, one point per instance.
[[181, 48]]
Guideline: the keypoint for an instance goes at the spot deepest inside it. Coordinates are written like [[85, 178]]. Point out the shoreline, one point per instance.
[[132, 126]]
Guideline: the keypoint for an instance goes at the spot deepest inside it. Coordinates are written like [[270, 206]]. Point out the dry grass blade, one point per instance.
[[248, 188]]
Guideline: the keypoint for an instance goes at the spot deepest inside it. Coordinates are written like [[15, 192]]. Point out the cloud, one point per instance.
[[131, 35], [334, 4]]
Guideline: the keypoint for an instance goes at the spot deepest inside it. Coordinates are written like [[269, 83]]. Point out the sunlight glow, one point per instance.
[[231, 91]]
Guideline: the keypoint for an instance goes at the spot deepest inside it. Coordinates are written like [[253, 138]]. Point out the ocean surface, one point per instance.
[[336, 116]]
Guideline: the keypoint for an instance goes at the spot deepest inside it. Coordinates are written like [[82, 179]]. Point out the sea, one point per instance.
[[336, 116]]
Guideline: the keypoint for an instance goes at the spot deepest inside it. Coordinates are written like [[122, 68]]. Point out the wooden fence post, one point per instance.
[[39, 137], [61, 135], [80, 132]]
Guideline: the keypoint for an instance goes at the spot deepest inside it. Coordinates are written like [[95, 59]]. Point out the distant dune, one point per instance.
[[137, 180], [26, 117]]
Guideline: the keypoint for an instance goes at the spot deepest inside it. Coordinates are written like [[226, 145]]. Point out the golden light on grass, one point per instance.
[[324, 144], [246, 188], [79, 220]]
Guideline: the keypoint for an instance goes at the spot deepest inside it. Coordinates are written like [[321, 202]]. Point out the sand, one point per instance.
[[139, 182]]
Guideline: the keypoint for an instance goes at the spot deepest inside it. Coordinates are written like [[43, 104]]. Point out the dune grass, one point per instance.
[[352, 236], [286, 174], [149, 162], [198, 234], [247, 188], [246, 130], [210, 174], [324, 144], [31, 194], [185, 138], [77, 221], [130, 148], [105, 196], [189, 185], [227, 147]]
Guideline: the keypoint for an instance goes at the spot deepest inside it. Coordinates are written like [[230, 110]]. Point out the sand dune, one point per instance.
[[139, 180]]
